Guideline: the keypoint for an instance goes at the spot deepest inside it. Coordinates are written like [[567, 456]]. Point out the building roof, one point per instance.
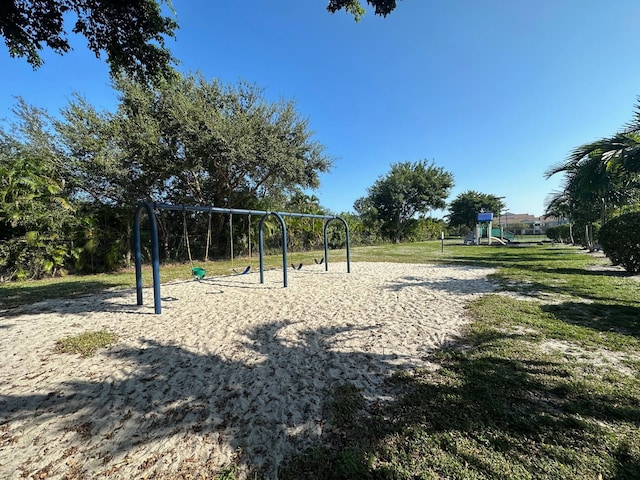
[[509, 217]]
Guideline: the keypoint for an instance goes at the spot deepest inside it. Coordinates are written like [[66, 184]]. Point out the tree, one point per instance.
[[97, 163], [190, 141], [620, 151], [355, 8], [131, 33], [560, 233], [407, 190], [35, 214], [464, 209], [194, 141], [304, 233], [600, 177], [608, 168], [370, 223], [595, 182]]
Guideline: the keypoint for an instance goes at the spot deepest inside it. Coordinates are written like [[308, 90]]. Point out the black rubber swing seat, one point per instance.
[[296, 268], [198, 273], [319, 262], [243, 272]]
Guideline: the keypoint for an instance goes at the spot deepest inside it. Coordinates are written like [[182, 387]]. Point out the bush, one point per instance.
[[620, 241], [580, 233], [561, 233], [32, 256]]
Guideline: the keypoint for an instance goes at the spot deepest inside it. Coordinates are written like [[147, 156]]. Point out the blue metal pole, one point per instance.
[[326, 243], [137, 251], [155, 259], [260, 246], [326, 246], [283, 226], [155, 248], [239, 211], [285, 268], [155, 254]]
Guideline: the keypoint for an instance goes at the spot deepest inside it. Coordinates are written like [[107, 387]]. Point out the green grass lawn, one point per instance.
[[543, 384]]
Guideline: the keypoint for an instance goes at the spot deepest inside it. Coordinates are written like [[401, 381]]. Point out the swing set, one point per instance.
[[199, 272]]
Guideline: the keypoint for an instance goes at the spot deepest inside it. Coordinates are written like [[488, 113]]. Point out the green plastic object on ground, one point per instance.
[[198, 273]]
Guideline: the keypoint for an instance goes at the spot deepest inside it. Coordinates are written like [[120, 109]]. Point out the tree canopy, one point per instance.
[[464, 209], [407, 190], [355, 8], [35, 214], [131, 33], [191, 140], [601, 177], [74, 180]]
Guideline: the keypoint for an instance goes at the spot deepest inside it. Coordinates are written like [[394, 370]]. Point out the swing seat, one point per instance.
[[243, 272], [198, 273]]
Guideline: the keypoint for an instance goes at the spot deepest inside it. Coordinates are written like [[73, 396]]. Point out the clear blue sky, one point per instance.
[[494, 91]]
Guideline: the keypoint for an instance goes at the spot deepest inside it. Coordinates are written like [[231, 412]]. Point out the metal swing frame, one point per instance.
[[151, 208]]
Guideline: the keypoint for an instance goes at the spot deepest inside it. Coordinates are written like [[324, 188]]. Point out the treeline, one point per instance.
[[600, 195], [69, 183]]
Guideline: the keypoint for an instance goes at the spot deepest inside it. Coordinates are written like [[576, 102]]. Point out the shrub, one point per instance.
[[620, 241], [561, 233], [32, 256]]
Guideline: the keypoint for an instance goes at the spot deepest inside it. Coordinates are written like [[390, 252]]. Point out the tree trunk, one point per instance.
[[573, 242], [129, 253]]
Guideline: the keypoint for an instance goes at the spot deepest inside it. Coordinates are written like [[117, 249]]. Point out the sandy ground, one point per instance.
[[231, 373]]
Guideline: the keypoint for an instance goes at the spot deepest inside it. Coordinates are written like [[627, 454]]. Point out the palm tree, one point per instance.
[[600, 176], [593, 188], [620, 151]]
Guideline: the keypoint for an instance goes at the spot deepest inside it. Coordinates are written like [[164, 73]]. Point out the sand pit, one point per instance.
[[232, 372]]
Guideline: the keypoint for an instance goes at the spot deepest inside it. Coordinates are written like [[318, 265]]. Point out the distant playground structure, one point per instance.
[[484, 229], [198, 272]]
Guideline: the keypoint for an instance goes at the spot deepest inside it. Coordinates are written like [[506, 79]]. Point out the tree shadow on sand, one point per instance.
[[252, 404], [484, 415], [79, 298], [453, 285]]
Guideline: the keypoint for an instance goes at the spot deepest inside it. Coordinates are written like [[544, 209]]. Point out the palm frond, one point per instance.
[[575, 158], [634, 125]]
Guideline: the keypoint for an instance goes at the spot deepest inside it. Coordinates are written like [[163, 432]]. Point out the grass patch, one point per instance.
[[505, 406], [87, 343], [535, 390], [345, 404]]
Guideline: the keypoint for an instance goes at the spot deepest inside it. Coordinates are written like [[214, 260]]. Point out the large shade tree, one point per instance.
[[131, 33], [190, 141], [409, 189], [464, 209], [196, 141]]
